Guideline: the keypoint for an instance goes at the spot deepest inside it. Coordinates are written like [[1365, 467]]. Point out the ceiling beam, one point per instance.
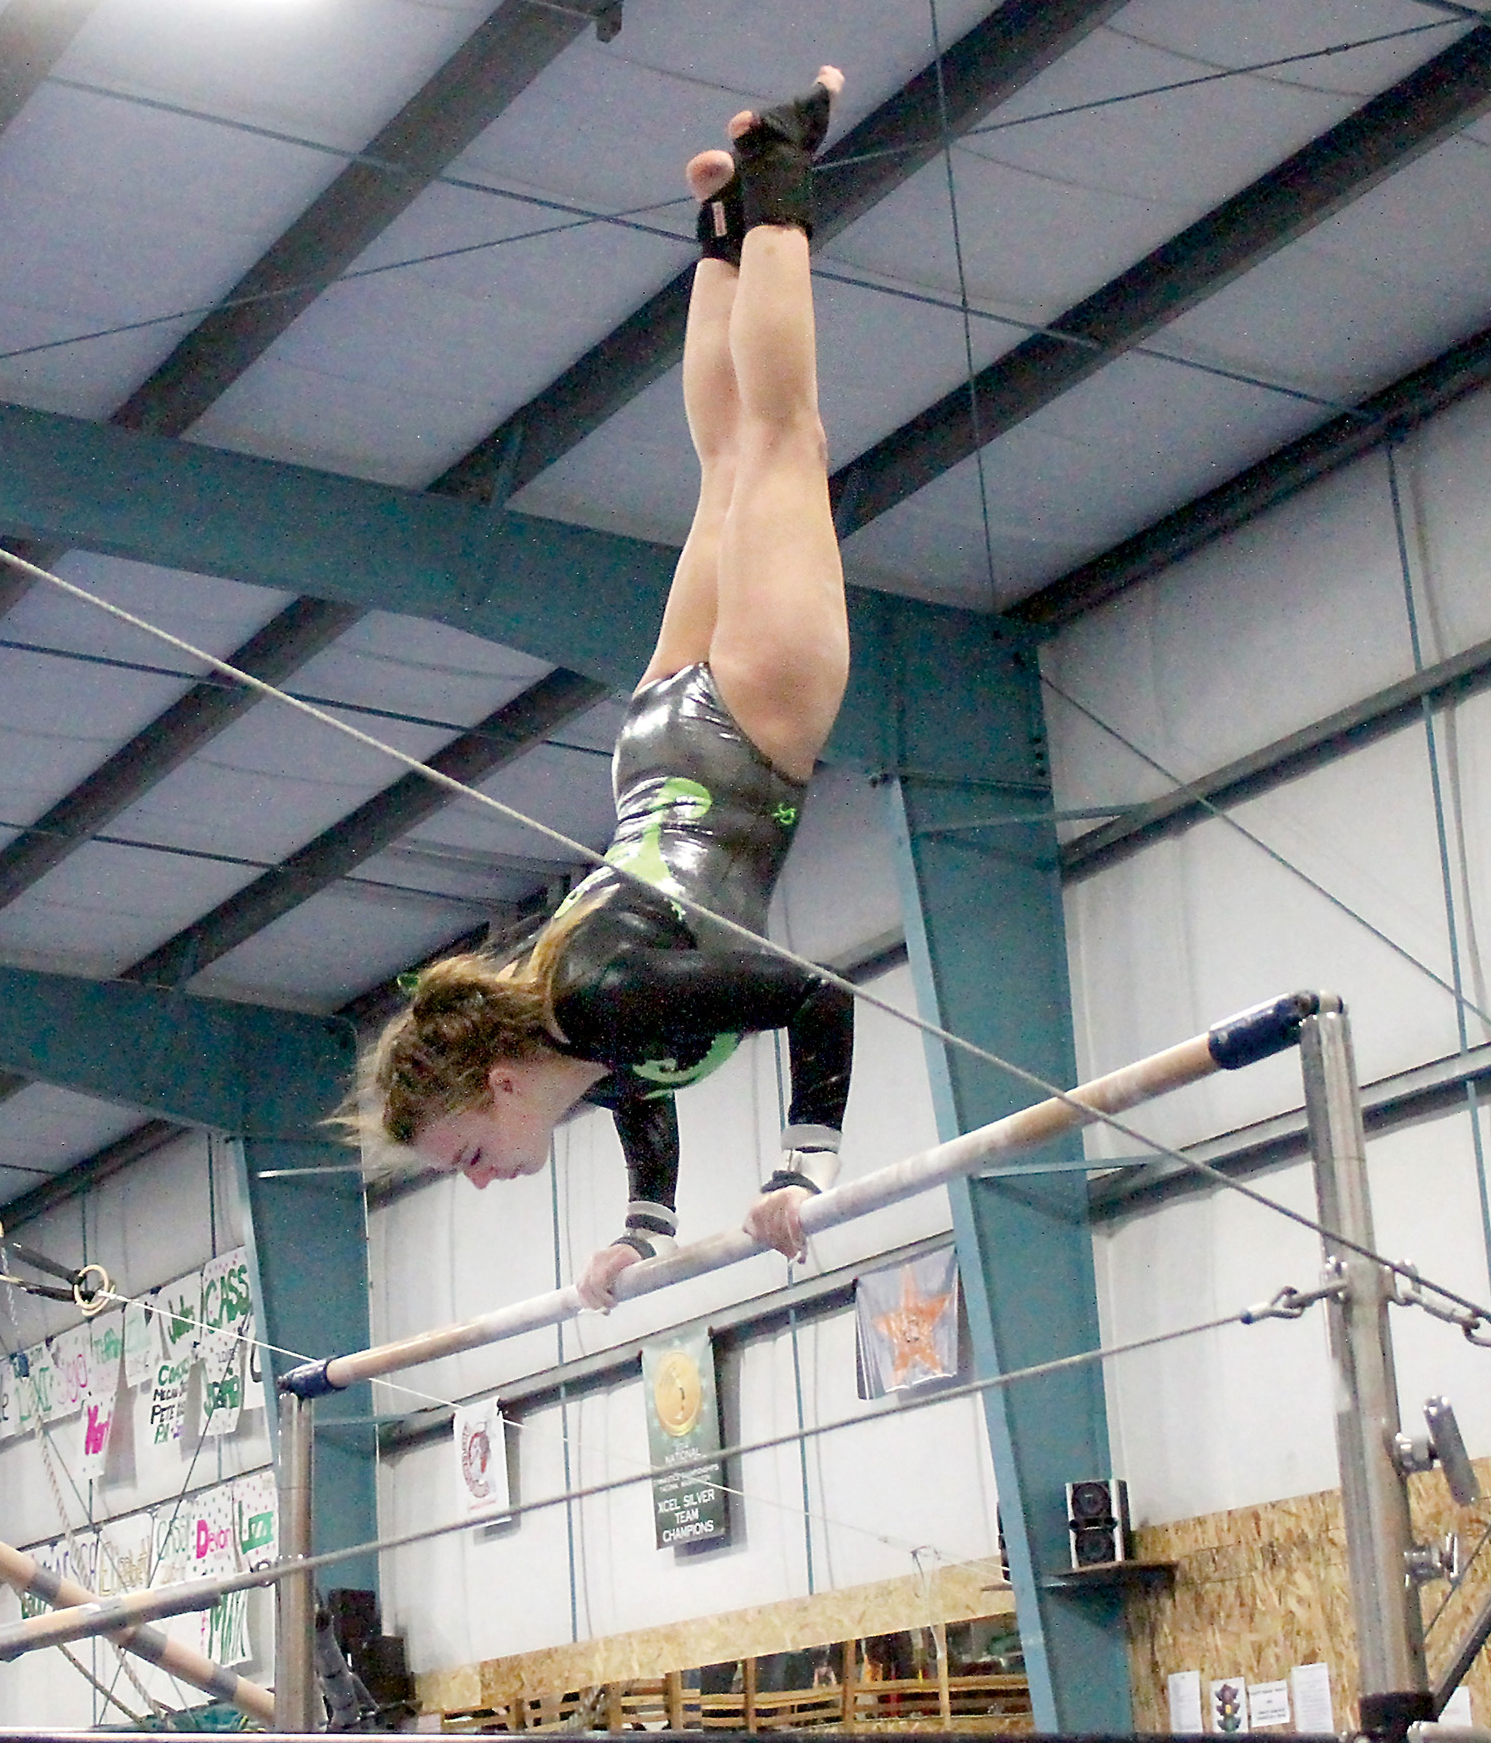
[[285, 643], [498, 740], [983, 69], [1433, 102], [500, 59], [1411, 400], [34, 35], [196, 1061], [568, 596]]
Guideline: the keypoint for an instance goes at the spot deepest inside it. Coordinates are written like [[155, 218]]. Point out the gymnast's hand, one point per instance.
[[596, 1284], [775, 1220]]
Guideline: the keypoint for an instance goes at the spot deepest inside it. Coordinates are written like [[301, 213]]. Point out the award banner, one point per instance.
[[683, 1423], [481, 1459], [906, 1324]]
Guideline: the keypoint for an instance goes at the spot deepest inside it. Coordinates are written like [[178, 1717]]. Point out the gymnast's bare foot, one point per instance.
[[831, 79]]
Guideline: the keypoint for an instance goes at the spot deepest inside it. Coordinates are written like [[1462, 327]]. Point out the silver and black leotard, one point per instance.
[[657, 995]]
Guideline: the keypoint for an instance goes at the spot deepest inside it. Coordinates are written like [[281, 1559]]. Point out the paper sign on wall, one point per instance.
[[1184, 1690], [256, 1514], [1268, 1704], [1229, 1704], [226, 1319], [1310, 1685], [481, 1458], [141, 1344], [72, 1356], [124, 1548], [220, 1400], [225, 1630], [168, 1400], [171, 1548], [39, 1382], [179, 1309], [97, 1419], [25, 1392], [214, 1534], [10, 1401], [1456, 1710]]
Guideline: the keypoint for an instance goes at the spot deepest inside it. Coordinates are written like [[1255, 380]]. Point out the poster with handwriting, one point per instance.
[[141, 1344], [256, 1511], [124, 1549], [72, 1357], [97, 1421]]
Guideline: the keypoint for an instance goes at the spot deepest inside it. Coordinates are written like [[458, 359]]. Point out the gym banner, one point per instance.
[[481, 1460], [907, 1324], [683, 1423]]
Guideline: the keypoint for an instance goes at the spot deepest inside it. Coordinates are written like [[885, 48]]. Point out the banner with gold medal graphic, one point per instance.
[[683, 1424]]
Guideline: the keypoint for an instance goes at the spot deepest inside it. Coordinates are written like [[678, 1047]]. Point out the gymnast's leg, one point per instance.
[[780, 647], [711, 401]]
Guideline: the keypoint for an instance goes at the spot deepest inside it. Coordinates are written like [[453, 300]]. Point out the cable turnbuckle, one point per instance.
[[1407, 1290], [1291, 1303]]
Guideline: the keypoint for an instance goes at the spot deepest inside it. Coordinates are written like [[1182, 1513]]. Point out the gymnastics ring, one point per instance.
[[96, 1299]]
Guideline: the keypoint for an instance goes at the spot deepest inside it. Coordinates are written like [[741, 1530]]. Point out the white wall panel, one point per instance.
[[874, 1496], [1297, 615]]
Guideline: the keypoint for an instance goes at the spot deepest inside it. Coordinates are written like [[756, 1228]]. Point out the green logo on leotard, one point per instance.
[[786, 815], [644, 856], [671, 1075]]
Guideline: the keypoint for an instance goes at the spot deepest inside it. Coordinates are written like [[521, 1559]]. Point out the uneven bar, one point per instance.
[[1229, 1045], [27, 1576]]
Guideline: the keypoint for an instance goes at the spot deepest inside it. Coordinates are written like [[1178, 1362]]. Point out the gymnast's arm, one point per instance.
[[715, 992], [648, 1128]]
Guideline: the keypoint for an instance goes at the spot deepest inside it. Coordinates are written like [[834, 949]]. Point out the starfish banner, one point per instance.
[[908, 1324]]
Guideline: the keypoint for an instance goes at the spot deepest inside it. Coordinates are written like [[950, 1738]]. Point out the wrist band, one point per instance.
[[789, 1177]]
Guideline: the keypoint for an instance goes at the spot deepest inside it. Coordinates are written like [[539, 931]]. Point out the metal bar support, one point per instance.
[[1374, 1496], [297, 1705]]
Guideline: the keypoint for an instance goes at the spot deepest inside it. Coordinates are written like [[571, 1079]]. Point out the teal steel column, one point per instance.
[[310, 1264], [267, 1079], [986, 942]]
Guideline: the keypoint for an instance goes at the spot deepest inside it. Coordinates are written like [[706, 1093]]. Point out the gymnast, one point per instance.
[[623, 997]]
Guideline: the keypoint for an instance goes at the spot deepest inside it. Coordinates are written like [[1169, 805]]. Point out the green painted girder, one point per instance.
[[267, 1078], [986, 943], [586, 600]]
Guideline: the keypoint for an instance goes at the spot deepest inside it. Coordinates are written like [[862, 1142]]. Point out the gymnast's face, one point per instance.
[[498, 1140]]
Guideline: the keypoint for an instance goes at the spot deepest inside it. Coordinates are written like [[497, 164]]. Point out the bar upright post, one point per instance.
[[1374, 1495], [297, 1704]]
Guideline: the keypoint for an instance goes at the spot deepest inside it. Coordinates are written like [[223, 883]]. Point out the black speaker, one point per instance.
[[1097, 1514]]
